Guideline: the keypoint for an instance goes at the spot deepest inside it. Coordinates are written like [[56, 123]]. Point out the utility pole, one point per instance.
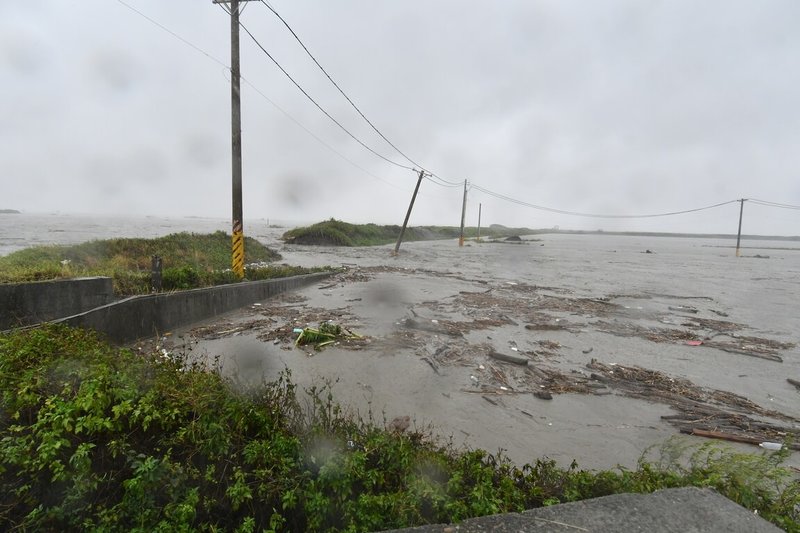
[[479, 222], [463, 213], [739, 235], [408, 213], [237, 239]]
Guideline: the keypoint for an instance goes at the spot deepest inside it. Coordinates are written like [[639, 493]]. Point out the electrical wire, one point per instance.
[[772, 204], [431, 176], [314, 59], [318, 139], [594, 215], [311, 99], [260, 93], [445, 182], [436, 180], [184, 41]]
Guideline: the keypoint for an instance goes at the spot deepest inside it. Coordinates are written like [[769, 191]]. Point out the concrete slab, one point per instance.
[[685, 510]]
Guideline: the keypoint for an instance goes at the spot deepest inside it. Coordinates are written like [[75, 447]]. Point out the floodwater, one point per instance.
[[680, 282], [447, 382]]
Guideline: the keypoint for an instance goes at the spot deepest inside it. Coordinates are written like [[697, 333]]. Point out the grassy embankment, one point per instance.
[[337, 233], [189, 261], [94, 437]]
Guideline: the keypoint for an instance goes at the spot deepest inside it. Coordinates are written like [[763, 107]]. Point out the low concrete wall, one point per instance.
[[144, 316], [24, 304]]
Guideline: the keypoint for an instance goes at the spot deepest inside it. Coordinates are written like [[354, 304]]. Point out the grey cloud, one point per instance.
[[616, 105]]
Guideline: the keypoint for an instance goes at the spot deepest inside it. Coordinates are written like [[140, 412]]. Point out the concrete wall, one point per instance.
[[144, 316], [23, 304]]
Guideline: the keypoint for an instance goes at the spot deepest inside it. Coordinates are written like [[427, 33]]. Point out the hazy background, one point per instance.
[[616, 107]]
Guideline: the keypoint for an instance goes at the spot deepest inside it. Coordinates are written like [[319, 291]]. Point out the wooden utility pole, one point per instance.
[[463, 214], [408, 213], [237, 240], [739, 234], [479, 222]]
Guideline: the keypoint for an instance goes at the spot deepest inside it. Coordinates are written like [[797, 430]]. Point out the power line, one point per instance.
[[773, 204], [445, 182], [260, 93], [341, 91], [184, 41], [436, 180], [311, 99], [594, 215], [428, 175], [319, 140]]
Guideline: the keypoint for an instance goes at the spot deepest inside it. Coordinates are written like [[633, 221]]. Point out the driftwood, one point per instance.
[[516, 359], [730, 437], [701, 411], [794, 382], [767, 356], [720, 435]]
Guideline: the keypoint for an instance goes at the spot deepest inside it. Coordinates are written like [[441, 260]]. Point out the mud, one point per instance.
[[433, 317]]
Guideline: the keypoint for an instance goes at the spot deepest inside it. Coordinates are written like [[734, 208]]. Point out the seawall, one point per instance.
[[144, 316], [25, 304], [89, 303]]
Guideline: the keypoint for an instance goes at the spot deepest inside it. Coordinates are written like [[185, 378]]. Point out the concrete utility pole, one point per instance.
[[463, 214], [739, 235], [408, 213], [237, 240]]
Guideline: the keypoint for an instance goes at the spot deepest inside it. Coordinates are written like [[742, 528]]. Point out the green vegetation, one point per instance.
[[327, 333], [337, 233], [190, 260], [94, 437]]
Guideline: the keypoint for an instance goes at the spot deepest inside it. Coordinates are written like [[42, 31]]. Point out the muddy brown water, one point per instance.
[[433, 314]]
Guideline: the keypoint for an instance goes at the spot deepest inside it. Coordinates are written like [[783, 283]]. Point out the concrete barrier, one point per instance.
[[25, 304], [144, 316]]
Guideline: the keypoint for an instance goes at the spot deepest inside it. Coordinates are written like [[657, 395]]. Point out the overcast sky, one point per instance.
[[611, 107]]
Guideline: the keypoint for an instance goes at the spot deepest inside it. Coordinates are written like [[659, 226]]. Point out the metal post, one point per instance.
[[479, 223], [739, 235], [408, 213], [463, 213]]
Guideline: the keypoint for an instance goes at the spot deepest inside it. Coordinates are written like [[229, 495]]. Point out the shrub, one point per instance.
[[180, 278], [94, 437]]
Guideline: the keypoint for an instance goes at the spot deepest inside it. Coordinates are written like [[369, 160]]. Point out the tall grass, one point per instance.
[[189, 260], [337, 233]]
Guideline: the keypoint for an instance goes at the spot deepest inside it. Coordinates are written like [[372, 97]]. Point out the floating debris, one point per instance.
[[700, 410], [327, 333]]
